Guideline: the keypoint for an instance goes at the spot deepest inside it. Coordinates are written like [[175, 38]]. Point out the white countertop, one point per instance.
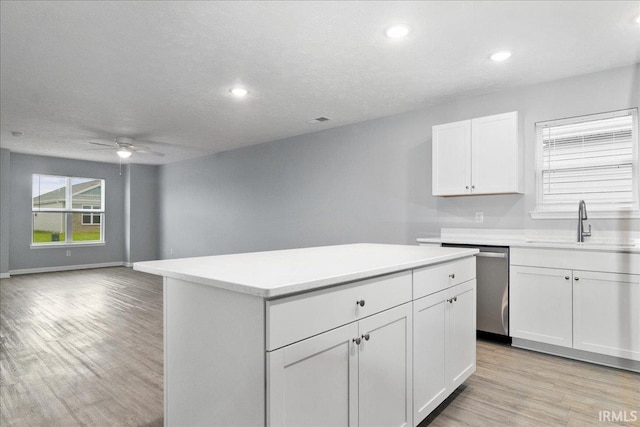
[[280, 273], [532, 239]]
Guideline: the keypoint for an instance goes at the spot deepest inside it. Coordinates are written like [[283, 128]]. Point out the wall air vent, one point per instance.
[[319, 120]]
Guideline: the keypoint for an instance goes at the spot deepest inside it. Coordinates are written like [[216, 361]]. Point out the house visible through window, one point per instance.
[[67, 210], [592, 158], [90, 218]]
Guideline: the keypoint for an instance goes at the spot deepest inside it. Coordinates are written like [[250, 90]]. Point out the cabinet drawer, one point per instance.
[[435, 278], [298, 317]]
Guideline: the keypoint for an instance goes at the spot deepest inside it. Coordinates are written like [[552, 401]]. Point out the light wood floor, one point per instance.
[[85, 348]]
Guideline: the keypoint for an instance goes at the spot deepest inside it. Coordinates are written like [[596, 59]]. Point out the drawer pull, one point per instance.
[[455, 298], [357, 340], [566, 277], [360, 303], [576, 278], [366, 337], [450, 300], [452, 276]]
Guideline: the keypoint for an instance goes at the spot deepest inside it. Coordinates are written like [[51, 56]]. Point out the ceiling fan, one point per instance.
[[124, 147]]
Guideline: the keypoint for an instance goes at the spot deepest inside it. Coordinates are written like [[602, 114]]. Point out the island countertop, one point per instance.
[[280, 273]]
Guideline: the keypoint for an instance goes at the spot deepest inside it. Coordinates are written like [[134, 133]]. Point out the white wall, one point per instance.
[[5, 201], [369, 182]]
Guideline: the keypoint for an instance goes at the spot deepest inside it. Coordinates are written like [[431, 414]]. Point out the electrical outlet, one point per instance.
[[479, 216], [68, 252]]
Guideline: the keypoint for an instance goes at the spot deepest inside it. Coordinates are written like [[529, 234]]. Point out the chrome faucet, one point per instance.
[[582, 215]]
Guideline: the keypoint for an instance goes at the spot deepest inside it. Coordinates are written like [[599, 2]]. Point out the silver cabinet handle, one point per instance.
[[452, 275], [357, 340], [360, 303], [576, 278], [566, 277], [366, 337]]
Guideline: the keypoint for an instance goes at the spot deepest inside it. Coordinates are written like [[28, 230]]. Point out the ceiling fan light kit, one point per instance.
[[124, 153]]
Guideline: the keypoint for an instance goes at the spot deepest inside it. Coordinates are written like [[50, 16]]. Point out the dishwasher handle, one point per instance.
[[492, 254]]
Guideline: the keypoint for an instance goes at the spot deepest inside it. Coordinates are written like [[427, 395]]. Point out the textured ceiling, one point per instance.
[[73, 72]]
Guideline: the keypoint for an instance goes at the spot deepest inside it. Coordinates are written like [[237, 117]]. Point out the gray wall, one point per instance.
[[21, 256], [5, 202], [369, 182], [141, 213]]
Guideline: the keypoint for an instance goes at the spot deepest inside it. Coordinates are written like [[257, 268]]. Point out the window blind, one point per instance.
[[593, 158]]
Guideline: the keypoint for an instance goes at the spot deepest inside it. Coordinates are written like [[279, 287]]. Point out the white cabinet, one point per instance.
[[358, 374], [583, 304], [315, 381], [430, 385], [451, 159], [606, 313], [477, 156], [540, 304], [385, 369], [444, 337], [461, 361]]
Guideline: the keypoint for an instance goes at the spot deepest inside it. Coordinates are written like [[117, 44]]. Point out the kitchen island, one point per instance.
[[357, 334]]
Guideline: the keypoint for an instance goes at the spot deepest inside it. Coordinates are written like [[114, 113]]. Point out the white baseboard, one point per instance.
[[65, 268], [127, 264], [4, 275]]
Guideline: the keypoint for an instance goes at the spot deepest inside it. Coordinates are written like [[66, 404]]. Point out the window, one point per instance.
[[67, 210], [592, 158], [90, 218]]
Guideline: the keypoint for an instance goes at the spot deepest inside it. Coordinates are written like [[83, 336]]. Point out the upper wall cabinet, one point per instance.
[[478, 156]]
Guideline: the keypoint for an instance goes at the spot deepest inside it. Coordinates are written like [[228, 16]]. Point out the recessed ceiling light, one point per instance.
[[238, 91], [397, 31], [500, 56]]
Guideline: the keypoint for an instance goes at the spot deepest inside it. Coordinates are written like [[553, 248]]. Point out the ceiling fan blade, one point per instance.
[[111, 145], [143, 149], [98, 149]]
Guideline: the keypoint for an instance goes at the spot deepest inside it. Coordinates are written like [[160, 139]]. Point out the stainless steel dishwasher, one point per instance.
[[492, 277]]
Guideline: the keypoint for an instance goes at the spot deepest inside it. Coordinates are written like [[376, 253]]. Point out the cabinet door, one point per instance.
[[461, 349], [541, 305], [451, 159], [385, 368], [495, 154], [606, 313], [429, 353], [314, 382]]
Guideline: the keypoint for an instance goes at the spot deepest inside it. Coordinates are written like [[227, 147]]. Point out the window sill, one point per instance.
[[592, 215], [66, 245]]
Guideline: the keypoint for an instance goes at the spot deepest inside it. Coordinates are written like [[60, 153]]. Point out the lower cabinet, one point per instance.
[[580, 300], [606, 313], [444, 345], [357, 374], [540, 305]]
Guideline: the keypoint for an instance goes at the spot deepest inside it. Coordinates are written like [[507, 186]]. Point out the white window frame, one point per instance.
[[633, 212], [68, 212]]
